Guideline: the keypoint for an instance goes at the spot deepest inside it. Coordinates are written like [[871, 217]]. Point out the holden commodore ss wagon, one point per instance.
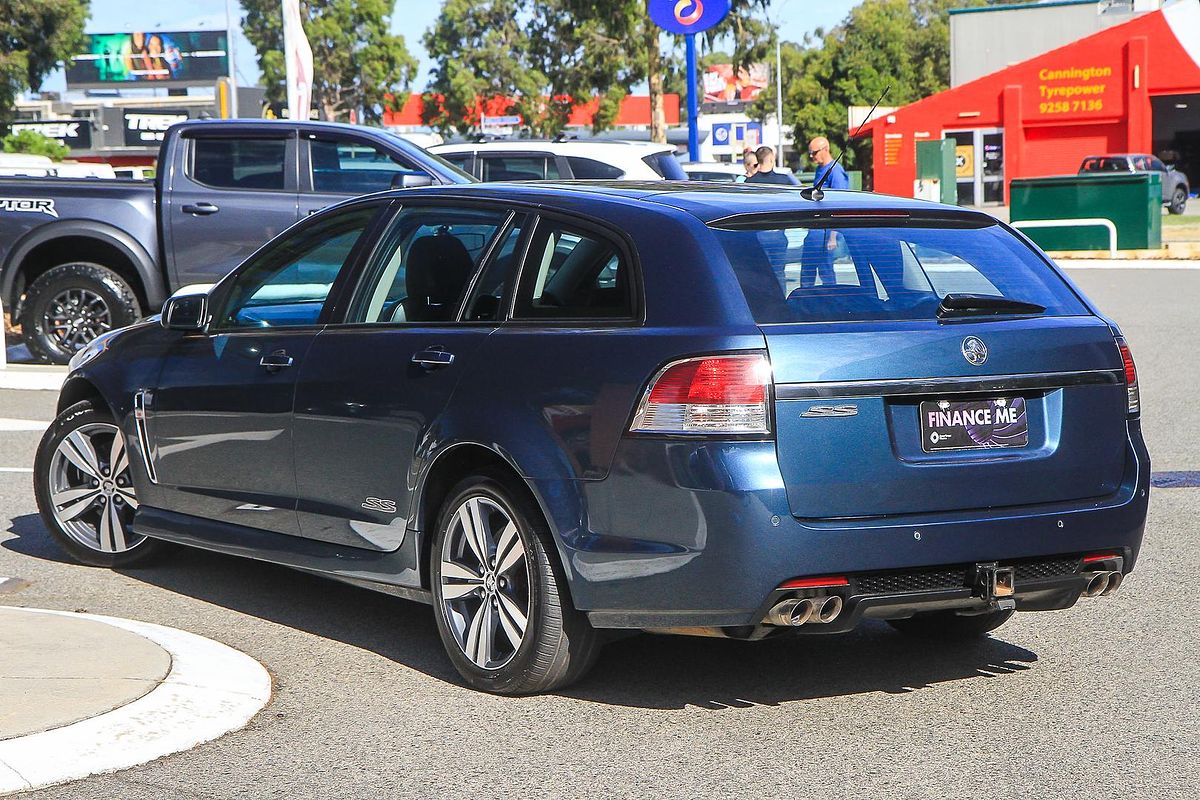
[[552, 410]]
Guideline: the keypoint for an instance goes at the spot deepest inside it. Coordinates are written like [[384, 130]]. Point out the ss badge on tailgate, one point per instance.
[[377, 504], [831, 411]]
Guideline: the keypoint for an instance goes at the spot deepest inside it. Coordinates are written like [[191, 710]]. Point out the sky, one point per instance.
[[410, 19]]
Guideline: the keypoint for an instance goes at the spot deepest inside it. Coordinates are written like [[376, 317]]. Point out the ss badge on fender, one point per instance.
[[378, 504]]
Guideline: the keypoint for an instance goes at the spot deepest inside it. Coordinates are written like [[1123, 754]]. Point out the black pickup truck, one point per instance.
[[79, 257]]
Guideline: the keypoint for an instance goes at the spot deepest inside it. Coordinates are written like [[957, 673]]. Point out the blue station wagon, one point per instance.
[[552, 410]]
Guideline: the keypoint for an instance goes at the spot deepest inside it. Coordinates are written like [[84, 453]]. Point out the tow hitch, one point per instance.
[[996, 585]]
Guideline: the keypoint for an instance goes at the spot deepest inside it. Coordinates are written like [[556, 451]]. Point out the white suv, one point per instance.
[[534, 160]]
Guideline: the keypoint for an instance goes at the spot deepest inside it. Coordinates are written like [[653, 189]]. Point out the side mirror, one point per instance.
[[410, 180], [187, 312]]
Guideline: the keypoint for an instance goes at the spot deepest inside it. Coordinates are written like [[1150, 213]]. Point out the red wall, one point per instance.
[[1091, 96]]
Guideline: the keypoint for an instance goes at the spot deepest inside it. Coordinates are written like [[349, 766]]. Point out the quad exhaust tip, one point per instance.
[[797, 611], [1103, 584]]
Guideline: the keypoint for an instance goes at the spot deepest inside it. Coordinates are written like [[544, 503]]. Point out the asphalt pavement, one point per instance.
[[1096, 701]]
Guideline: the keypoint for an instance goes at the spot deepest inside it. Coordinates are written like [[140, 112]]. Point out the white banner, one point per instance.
[[298, 56]]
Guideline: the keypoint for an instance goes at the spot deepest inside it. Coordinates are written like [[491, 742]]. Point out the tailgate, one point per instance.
[[849, 417]]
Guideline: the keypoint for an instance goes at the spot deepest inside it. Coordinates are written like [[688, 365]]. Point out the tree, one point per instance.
[[900, 45], [35, 35], [34, 144], [357, 62]]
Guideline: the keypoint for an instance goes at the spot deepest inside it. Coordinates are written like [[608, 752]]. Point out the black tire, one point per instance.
[[558, 645], [111, 304], [948, 625], [1178, 202], [141, 551]]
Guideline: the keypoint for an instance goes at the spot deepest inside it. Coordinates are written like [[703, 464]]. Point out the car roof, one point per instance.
[[705, 200], [560, 148]]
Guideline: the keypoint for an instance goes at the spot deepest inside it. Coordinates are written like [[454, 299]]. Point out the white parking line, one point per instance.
[[11, 424], [1132, 264], [211, 690], [16, 469]]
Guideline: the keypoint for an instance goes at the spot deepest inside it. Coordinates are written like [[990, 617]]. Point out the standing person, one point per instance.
[[749, 164], [818, 152], [766, 169]]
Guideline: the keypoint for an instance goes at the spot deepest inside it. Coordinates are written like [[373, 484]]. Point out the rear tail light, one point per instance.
[[1134, 397], [709, 395]]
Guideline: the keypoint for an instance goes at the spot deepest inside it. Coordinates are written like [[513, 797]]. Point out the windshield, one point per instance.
[[451, 172], [828, 274]]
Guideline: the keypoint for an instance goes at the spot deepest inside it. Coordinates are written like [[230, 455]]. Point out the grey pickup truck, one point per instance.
[[79, 257]]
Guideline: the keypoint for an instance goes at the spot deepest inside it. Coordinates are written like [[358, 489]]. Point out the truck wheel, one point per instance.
[[1179, 200], [71, 304]]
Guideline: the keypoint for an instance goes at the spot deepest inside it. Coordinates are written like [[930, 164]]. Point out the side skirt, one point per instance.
[[396, 573]]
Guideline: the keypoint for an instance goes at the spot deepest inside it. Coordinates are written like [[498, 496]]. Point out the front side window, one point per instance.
[[355, 167], [502, 167], [240, 163], [287, 284], [834, 274], [423, 267], [572, 273]]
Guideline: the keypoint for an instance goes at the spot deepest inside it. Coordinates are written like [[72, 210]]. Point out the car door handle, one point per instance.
[[432, 358], [276, 361], [201, 209]]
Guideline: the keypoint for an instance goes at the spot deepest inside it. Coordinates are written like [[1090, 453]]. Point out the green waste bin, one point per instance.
[[1132, 201]]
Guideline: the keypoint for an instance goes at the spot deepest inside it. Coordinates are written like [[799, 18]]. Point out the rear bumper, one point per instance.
[[692, 534]]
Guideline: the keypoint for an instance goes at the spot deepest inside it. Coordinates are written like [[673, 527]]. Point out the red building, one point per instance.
[[634, 111], [1133, 87]]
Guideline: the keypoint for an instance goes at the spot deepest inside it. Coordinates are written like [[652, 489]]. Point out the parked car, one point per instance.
[[714, 171], [81, 257], [554, 409], [1175, 187], [533, 160]]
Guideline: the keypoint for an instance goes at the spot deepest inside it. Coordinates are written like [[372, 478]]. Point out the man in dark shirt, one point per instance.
[[766, 170]]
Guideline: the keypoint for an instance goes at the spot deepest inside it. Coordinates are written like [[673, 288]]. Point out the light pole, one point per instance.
[[778, 100], [229, 36]]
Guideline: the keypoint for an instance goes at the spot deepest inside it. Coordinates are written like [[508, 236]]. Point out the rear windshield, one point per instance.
[[807, 274], [666, 165]]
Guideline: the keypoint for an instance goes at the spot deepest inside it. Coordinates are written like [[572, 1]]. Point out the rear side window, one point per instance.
[[239, 163], [424, 265], [573, 273], [666, 166], [818, 274], [518, 168], [1098, 164], [591, 169]]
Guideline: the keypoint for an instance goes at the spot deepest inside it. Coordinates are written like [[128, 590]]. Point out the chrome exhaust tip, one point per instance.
[[1098, 584], [1114, 583], [790, 613], [826, 609]]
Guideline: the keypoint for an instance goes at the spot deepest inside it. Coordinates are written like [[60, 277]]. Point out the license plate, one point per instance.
[[974, 424]]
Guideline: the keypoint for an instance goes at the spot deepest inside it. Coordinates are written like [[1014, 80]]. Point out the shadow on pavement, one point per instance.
[[644, 671]]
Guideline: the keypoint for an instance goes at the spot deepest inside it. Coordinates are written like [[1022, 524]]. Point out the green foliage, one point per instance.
[[357, 61], [34, 144], [35, 35], [549, 55], [901, 44]]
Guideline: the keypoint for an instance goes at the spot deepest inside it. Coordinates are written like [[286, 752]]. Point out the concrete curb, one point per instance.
[[43, 377], [210, 690]]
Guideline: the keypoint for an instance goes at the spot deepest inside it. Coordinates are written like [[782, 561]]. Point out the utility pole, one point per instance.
[[229, 36], [778, 101]]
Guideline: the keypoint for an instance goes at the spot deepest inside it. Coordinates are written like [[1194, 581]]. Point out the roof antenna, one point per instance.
[[815, 192]]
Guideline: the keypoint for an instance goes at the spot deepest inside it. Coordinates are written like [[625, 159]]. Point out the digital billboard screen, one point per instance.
[[150, 58]]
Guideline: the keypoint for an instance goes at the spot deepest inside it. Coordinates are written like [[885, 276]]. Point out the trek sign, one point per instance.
[[687, 16]]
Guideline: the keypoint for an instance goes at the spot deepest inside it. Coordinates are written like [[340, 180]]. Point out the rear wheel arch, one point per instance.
[[72, 241], [449, 468]]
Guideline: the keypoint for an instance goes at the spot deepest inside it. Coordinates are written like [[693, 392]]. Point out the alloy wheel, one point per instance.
[[91, 490], [484, 586], [76, 316]]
